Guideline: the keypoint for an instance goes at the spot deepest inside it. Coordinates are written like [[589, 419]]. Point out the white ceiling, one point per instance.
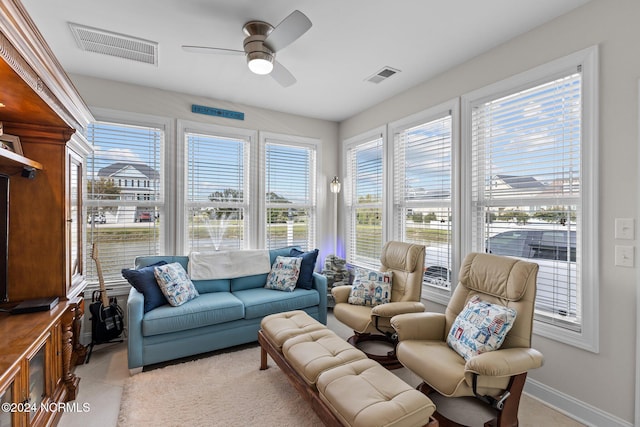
[[349, 41]]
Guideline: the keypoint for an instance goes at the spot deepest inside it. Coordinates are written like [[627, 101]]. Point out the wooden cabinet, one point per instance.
[[41, 106], [36, 367], [45, 227]]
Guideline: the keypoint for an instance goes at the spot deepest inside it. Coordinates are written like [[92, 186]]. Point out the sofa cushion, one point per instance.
[[260, 302], [284, 274], [144, 280], [207, 309], [175, 284], [212, 285], [248, 282], [144, 261], [305, 280]]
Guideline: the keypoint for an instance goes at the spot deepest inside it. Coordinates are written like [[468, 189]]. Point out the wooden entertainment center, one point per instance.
[[40, 105]]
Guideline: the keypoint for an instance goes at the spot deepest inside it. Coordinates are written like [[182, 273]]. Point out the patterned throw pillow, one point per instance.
[[175, 284], [284, 274], [370, 287], [480, 327]]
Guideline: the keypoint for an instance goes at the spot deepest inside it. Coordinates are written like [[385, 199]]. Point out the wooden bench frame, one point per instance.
[[310, 394]]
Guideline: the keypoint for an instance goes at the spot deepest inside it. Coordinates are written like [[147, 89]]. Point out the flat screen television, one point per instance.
[[4, 237]]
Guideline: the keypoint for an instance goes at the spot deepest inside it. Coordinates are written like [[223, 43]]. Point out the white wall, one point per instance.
[[603, 383], [138, 99]]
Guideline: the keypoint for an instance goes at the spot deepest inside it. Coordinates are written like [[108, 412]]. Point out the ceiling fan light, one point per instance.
[[260, 62]]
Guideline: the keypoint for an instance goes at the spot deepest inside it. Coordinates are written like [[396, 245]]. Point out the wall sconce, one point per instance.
[[334, 185]]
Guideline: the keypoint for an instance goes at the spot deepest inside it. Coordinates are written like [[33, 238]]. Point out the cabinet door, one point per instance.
[[39, 384], [75, 267], [10, 394]]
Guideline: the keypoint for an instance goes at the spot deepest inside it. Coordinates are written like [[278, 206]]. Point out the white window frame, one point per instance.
[[587, 338], [348, 144], [184, 127], [295, 141], [167, 204], [451, 107]]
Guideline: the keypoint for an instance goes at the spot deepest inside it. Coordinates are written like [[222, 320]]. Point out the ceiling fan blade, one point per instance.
[[287, 31], [282, 75], [215, 50]]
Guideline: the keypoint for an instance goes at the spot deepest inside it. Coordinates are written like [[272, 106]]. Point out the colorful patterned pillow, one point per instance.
[[284, 274], [480, 327], [370, 287], [175, 284]]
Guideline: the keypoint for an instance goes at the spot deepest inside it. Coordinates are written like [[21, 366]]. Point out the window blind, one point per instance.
[[125, 202], [364, 194], [422, 193], [217, 198], [290, 195], [526, 187]]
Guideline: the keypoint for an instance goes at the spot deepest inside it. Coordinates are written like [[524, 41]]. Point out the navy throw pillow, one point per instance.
[[305, 280], [145, 282]]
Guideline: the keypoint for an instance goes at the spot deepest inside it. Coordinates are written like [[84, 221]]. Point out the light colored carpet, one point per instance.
[[226, 389]]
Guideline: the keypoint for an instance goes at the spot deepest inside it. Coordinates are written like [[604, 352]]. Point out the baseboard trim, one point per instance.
[[572, 407]]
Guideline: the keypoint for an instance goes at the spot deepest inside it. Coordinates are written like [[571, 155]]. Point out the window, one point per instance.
[[122, 224], [217, 198], [289, 188], [531, 186], [209, 191], [364, 200], [423, 153]]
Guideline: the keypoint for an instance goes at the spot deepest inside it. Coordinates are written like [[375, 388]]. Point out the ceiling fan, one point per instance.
[[262, 43]]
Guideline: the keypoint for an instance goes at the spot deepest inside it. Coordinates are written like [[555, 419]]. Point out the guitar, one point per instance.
[[107, 316]]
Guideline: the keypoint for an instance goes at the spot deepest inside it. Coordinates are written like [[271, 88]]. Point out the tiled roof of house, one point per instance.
[[521, 182], [114, 168]]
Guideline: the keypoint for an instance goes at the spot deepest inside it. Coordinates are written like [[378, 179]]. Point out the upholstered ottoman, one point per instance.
[[308, 351], [279, 327], [363, 393], [313, 353]]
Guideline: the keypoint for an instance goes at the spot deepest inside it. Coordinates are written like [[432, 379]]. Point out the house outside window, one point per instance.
[[121, 224]]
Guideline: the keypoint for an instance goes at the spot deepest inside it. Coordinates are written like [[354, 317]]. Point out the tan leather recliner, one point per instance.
[[406, 261], [499, 375]]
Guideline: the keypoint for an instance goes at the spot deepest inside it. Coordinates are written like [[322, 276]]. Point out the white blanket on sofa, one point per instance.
[[228, 264]]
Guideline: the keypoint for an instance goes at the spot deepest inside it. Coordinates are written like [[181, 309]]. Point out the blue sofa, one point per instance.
[[227, 313]]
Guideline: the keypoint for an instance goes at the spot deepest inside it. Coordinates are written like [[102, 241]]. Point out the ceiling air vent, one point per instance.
[[381, 75], [113, 44]]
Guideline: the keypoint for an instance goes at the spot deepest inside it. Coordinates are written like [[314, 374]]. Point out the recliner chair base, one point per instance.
[[388, 360], [505, 417]]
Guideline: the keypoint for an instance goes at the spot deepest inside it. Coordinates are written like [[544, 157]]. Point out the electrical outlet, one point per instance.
[[624, 256], [624, 228]]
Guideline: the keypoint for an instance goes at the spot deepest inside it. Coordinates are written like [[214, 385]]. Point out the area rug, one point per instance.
[[226, 389]]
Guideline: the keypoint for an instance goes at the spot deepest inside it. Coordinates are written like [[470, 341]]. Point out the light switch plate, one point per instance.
[[624, 228], [624, 256]]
